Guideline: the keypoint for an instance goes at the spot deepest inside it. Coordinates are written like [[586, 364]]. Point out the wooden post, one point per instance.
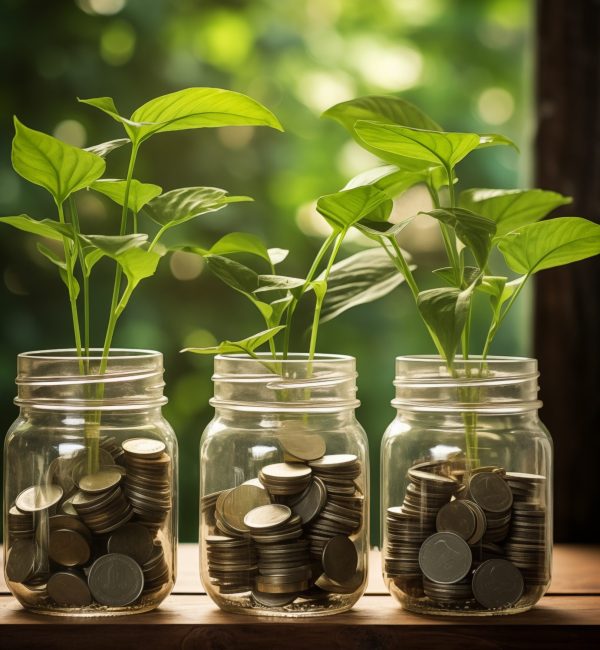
[[567, 300]]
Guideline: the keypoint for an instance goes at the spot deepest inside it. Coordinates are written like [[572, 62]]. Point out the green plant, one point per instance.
[[63, 170], [415, 150], [360, 278]]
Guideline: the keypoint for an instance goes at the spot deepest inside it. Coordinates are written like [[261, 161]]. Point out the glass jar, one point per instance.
[[466, 488], [90, 485], [284, 476]]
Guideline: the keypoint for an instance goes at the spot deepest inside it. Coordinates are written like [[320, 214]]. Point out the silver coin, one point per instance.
[[133, 540], [490, 491], [104, 479], [456, 517], [68, 547], [69, 589], [497, 583], [340, 559], [303, 446], [273, 600], [445, 558], [334, 461], [20, 562], [144, 447], [311, 502], [38, 497], [268, 516], [116, 580]]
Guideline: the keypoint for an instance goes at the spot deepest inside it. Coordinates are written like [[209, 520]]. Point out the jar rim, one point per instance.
[[474, 358], [70, 354], [291, 358]]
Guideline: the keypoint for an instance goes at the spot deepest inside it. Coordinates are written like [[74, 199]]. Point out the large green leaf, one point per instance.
[[139, 193], [247, 345], [434, 147], [232, 273], [104, 148], [343, 209], [240, 242], [191, 108], [58, 167], [512, 209], [389, 179], [445, 311], [42, 227], [181, 205], [550, 243], [95, 247], [361, 278], [475, 232], [278, 283]]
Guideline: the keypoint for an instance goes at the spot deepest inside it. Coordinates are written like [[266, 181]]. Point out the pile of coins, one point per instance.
[[84, 539], [475, 540], [289, 532]]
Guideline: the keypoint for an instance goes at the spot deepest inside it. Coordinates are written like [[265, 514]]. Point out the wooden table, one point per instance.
[[569, 616]]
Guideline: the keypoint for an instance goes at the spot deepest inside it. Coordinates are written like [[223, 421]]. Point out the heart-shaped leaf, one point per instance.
[[445, 312], [361, 278], [434, 147], [277, 255], [139, 193], [41, 227], [471, 275], [61, 265], [240, 242], [475, 232], [378, 229], [181, 205], [512, 209], [247, 345], [389, 179], [58, 167], [235, 275], [550, 243], [191, 108], [343, 209], [95, 247], [104, 148]]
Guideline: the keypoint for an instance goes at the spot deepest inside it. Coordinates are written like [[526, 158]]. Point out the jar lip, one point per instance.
[[473, 359], [70, 354], [292, 357]]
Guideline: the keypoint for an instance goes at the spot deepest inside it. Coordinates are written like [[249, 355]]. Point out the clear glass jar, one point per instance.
[[466, 488], [284, 476], [90, 485]]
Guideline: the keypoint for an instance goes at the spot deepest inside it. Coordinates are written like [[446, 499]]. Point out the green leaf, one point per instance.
[[378, 229], [343, 209], [499, 290], [279, 307], [139, 193], [550, 243], [445, 312], [104, 148], [389, 179], [361, 278], [475, 232], [277, 255], [448, 275], [191, 108], [181, 205], [236, 275], [240, 242], [277, 282], [137, 264], [380, 108], [58, 167], [434, 147], [95, 247], [247, 345], [512, 209], [61, 265], [41, 227]]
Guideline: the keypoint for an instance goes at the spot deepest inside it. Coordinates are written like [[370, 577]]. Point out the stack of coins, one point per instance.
[[285, 478], [20, 524], [463, 559], [148, 485], [71, 558], [231, 506], [490, 491], [231, 563]]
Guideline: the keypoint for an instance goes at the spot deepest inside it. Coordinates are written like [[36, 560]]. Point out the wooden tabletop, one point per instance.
[[568, 616]]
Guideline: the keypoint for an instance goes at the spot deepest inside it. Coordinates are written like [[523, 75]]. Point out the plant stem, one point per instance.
[[290, 311], [86, 284], [405, 268], [319, 302], [157, 237]]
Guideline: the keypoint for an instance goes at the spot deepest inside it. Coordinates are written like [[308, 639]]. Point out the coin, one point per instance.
[[273, 600], [69, 589], [144, 447], [38, 497], [310, 503], [490, 491], [20, 563], [340, 559], [497, 583], [304, 446], [349, 587], [268, 516], [457, 517], [334, 461], [115, 580], [133, 540], [73, 523], [103, 480], [68, 547], [445, 558], [238, 502]]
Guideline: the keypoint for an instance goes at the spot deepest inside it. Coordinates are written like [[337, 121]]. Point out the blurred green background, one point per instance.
[[466, 62]]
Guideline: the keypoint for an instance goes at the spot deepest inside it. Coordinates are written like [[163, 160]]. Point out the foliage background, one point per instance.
[[466, 62]]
